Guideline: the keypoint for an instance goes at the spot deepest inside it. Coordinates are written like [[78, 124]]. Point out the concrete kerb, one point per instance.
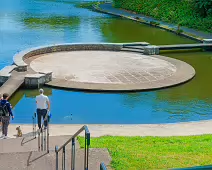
[[19, 58], [34, 80], [39, 79], [161, 26], [5, 73]]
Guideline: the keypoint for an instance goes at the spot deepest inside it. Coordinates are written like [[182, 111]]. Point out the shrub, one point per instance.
[[174, 11], [203, 7]]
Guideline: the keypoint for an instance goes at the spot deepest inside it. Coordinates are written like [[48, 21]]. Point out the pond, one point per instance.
[[30, 23]]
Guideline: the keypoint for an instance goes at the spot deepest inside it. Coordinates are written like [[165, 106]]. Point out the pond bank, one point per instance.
[[187, 32], [97, 130]]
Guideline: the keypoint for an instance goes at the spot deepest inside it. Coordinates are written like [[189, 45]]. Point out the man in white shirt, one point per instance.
[[43, 107]]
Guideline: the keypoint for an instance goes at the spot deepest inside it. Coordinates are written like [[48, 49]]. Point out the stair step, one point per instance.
[[30, 144], [134, 47], [43, 161], [132, 50]]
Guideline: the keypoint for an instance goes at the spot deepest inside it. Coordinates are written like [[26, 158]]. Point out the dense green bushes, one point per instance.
[[204, 7], [195, 14]]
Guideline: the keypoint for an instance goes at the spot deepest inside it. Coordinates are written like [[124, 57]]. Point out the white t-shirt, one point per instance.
[[41, 101]]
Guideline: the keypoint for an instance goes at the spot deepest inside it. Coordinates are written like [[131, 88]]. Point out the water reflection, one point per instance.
[[52, 22], [122, 30], [25, 24]]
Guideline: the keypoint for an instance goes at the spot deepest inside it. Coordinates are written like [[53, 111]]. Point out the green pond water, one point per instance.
[[31, 23]]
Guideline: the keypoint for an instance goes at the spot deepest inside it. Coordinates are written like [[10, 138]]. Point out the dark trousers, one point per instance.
[[41, 114], [5, 123]]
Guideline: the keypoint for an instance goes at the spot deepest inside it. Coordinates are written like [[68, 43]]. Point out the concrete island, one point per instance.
[[98, 67]]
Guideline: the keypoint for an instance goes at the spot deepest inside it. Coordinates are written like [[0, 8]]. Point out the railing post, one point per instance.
[[44, 139], [87, 143], [64, 158], [48, 138], [39, 140], [57, 159], [35, 124], [85, 157], [73, 154]]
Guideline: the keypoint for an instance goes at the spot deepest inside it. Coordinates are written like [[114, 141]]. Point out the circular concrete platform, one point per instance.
[[111, 70]]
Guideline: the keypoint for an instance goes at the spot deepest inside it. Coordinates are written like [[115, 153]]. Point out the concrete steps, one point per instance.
[[23, 154], [134, 47], [30, 144], [132, 50], [43, 161]]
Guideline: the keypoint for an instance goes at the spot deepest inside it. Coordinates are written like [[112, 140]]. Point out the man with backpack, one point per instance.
[[5, 113]]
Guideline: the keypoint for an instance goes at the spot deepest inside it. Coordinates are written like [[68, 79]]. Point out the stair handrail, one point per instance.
[[43, 143], [72, 139]]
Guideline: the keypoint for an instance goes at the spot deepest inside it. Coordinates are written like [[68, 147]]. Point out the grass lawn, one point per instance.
[[135, 153]]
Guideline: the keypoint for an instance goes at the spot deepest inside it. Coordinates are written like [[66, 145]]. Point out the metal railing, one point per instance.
[[73, 150], [34, 126], [43, 136], [103, 166]]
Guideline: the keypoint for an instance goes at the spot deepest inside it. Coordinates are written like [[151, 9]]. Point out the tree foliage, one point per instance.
[[204, 7]]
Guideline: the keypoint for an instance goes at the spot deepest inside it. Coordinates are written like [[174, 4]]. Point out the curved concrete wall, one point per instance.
[[19, 58]]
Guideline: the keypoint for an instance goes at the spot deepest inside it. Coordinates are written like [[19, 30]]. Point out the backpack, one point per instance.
[[3, 110]]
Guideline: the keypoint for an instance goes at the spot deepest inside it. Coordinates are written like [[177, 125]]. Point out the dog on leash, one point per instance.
[[19, 132]]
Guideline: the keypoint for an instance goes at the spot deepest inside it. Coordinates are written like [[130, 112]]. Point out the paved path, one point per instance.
[[112, 70], [109, 8], [13, 83], [178, 129]]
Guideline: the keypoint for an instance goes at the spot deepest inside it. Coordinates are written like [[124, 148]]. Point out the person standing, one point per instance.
[[43, 107], [6, 113]]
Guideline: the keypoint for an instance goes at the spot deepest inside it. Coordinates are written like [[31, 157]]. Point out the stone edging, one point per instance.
[[32, 80], [185, 34], [19, 58]]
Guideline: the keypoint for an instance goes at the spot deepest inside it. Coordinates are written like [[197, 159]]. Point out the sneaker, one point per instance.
[[2, 136], [6, 137]]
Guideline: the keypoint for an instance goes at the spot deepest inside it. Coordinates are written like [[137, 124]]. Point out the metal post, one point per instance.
[[44, 139], [57, 165], [88, 144], [33, 126], [48, 138], [73, 154], [64, 158], [85, 158], [39, 140]]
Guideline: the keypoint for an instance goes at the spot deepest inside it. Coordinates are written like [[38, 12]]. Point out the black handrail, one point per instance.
[[103, 166], [72, 139], [43, 133]]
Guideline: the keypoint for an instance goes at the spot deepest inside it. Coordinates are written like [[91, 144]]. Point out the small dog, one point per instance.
[[19, 133]]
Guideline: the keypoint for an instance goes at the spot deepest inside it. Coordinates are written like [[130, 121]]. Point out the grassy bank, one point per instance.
[[129, 153], [88, 5], [181, 12]]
